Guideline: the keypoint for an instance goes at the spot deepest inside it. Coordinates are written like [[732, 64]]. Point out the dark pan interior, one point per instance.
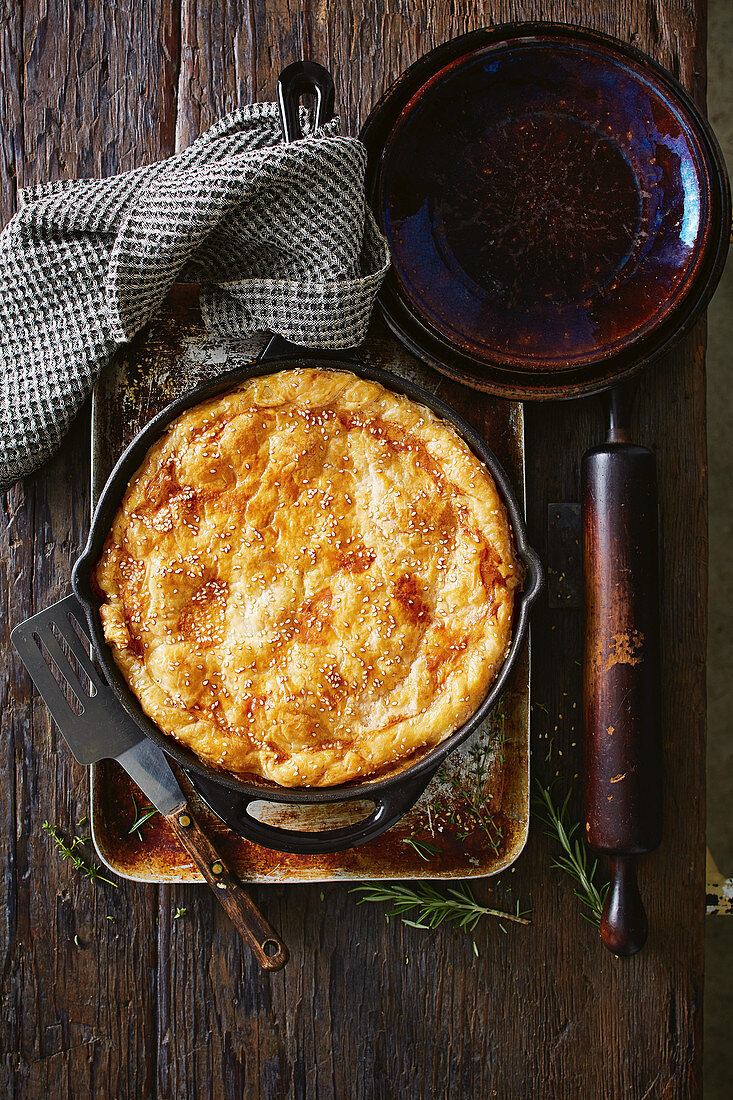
[[111, 499], [513, 374]]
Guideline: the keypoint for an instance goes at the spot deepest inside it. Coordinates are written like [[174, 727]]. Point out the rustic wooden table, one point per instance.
[[105, 993]]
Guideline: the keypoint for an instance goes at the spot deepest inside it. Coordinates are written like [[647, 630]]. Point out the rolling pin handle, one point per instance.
[[624, 924], [619, 401]]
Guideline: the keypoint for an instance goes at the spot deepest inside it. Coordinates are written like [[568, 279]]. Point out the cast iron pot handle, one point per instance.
[[299, 79], [278, 347], [389, 806]]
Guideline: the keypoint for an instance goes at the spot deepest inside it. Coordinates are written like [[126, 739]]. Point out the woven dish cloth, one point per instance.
[[278, 236]]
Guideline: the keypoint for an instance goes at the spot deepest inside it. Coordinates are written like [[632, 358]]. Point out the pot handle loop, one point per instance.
[[389, 806], [299, 79]]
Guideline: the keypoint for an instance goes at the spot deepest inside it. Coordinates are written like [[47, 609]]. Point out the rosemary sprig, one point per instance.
[[139, 819], [70, 851], [457, 906], [574, 860]]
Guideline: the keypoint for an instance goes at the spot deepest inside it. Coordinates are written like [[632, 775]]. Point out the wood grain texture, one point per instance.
[[151, 1005], [86, 96]]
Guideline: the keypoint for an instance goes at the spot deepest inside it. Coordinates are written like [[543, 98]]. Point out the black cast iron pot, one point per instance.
[[228, 796]]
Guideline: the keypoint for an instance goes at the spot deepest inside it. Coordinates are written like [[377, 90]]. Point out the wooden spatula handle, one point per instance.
[[622, 765], [269, 949]]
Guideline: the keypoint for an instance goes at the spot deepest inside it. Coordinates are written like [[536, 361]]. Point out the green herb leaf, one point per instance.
[[575, 857], [139, 819], [422, 847], [138, 824], [69, 851], [457, 906], [473, 810]]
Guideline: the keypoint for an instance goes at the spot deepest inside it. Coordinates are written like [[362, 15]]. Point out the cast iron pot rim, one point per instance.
[[432, 348], [111, 498]]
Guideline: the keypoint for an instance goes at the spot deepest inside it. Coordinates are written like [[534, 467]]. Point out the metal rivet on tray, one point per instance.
[[184, 820], [217, 868]]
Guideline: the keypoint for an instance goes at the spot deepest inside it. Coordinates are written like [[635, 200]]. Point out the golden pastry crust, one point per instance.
[[309, 579]]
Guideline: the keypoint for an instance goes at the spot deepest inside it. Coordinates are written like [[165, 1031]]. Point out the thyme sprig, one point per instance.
[[574, 860], [71, 851], [457, 906], [474, 810]]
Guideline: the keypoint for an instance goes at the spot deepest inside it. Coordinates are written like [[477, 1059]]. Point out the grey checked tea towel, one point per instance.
[[278, 236]]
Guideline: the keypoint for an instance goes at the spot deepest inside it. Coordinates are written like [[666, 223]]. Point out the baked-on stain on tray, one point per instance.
[[473, 818]]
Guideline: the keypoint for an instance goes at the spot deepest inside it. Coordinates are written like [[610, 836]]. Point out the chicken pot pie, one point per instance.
[[310, 580]]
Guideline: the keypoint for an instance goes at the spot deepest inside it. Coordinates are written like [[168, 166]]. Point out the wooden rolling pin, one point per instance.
[[622, 754]]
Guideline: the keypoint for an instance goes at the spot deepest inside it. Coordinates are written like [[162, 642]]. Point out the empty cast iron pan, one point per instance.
[[556, 207], [558, 214]]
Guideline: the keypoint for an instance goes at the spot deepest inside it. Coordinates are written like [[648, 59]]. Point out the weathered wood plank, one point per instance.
[[81, 95], [364, 1008]]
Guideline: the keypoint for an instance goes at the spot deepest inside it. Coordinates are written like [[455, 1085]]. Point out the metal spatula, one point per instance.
[[103, 730]]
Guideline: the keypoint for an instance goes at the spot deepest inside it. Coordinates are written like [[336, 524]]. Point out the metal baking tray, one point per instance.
[[473, 819]]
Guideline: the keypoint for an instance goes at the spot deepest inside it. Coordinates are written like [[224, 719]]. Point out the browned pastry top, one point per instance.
[[310, 579]]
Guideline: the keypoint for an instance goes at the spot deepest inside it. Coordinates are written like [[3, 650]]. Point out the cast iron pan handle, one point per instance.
[[278, 347], [389, 806], [622, 773], [299, 79]]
